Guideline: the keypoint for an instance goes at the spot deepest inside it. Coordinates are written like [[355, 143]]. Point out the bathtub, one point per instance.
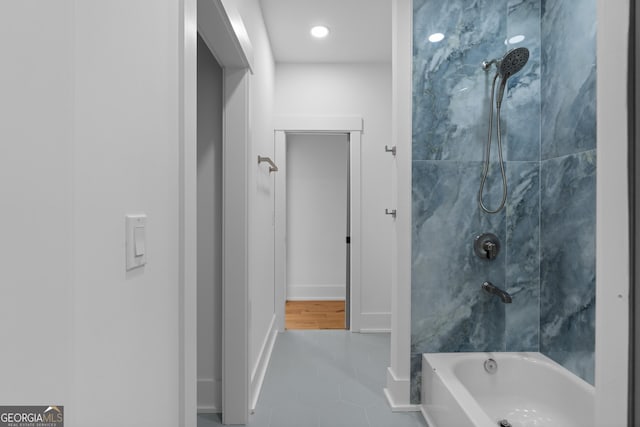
[[527, 390]]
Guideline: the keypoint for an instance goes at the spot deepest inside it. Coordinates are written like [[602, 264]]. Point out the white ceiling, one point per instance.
[[360, 30]]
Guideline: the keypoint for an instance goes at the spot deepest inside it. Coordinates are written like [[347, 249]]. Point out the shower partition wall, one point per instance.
[[547, 229]]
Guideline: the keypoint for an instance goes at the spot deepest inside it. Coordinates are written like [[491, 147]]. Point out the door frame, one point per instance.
[[220, 26], [353, 127]]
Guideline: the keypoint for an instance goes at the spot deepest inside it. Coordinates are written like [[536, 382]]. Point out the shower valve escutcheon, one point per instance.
[[487, 246]]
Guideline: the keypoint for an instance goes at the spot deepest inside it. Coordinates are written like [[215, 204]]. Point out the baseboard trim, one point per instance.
[[316, 292], [260, 370], [375, 323], [397, 393], [209, 396]]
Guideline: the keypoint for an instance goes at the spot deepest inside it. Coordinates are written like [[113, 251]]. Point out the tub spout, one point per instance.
[[492, 289]]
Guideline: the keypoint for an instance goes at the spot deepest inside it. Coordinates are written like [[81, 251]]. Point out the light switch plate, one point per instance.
[[135, 241]]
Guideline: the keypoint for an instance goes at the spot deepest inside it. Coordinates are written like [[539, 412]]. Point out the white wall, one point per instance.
[[261, 194], [316, 216], [209, 230], [397, 389], [363, 90], [126, 161], [36, 183], [90, 133]]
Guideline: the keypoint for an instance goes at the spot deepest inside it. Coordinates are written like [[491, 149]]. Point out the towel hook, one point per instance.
[[272, 166]]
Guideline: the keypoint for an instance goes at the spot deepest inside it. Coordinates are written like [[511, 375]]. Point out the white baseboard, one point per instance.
[[209, 396], [375, 323], [316, 292], [397, 393], [259, 371]]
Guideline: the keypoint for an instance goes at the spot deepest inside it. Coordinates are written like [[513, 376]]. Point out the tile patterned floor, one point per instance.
[[326, 379]]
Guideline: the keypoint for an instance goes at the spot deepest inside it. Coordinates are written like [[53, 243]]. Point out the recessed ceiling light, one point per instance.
[[436, 37], [319, 31]]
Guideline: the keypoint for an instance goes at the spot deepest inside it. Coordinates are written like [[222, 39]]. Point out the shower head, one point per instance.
[[511, 63]]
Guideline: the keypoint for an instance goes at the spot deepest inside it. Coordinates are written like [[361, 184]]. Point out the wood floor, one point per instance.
[[314, 315]]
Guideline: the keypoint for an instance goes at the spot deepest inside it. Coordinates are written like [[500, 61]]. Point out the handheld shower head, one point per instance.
[[508, 65], [511, 63]]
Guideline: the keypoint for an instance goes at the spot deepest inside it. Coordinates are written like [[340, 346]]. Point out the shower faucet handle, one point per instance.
[[487, 246], [491, 249]]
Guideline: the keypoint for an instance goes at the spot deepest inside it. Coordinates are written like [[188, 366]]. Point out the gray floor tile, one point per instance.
[[260, 418], [342, 414], [357, 393], [294, 416], [209, 420], [325, 379], [380, 416]]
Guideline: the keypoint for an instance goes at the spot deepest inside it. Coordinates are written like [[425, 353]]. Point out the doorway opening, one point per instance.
[[317, 222], [317, 230], [209, 225]]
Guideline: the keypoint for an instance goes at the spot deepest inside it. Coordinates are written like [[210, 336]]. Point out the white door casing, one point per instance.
[[222, 29]]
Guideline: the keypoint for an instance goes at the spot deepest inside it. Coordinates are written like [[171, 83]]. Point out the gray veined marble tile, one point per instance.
[[522, 327], [416, 377], [448, 304], [522, 258], [450, 88], [567, 268], [523, 27], [449, 310], [523, 221], [521, 115], [569, 77], [521, 108], [548, 115]]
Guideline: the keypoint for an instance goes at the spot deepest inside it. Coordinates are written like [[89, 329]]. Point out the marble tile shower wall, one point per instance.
[[568, 195], [449, 311]]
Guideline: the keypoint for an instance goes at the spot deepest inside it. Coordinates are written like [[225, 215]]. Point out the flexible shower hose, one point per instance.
[[487, 153]]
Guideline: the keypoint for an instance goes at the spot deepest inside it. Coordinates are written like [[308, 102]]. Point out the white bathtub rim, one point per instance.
[[471, 407], [442, 365], [443, 361]]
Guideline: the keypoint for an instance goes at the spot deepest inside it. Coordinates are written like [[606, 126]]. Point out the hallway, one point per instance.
[[326, 379]]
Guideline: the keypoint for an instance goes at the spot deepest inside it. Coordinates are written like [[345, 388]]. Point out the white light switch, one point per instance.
[[136, 251], [138, 240]]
